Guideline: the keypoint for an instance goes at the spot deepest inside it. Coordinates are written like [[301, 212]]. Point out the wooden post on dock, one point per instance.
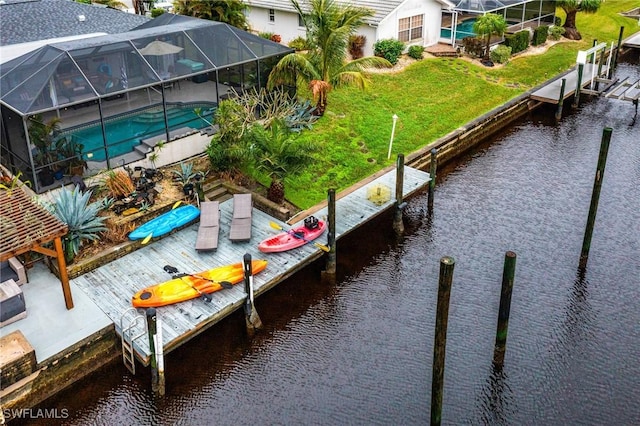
[[153, 363], [595, 196], [250, 314], [432, 174], [600, 65], [576, 99], [616, 53], [330, 267], [398, 226], [440, 341], [561, 100], [508, 275], [159, 356]]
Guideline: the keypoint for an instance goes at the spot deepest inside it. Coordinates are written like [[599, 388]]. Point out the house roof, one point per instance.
[[23, 21], [381, 8]]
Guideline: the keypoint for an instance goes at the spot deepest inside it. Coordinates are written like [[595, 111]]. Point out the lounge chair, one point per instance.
[[209, 226], [241, 221], [13, 269]]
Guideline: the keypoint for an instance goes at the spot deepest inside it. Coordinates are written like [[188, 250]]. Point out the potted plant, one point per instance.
[[43, 136], [72, 153]]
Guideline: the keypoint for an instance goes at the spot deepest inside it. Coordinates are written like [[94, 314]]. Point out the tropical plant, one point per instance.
[[571, 8], [299, 43], [114, 4], [225, 149], [230, 12], [118, 183], [324, 66], [488, 25], [185, 174], [74, 209], [356, 45], [44, 135], [279, 155], [12, 183]]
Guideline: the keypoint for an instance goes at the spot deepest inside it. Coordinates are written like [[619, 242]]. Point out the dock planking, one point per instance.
[[112, 285]]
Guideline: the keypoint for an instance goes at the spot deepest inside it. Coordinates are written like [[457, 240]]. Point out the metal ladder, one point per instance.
[[128, 338]]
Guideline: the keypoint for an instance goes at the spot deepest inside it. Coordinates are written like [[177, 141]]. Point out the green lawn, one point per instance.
[[431, 97]]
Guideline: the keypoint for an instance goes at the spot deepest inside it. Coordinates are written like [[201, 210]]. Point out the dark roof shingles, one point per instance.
[[33, 20]]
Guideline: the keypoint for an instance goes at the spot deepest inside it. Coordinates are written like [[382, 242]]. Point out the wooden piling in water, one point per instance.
[[508, 275], [152, 329], [252, 319], [576, 99], [595, 196], [561, 100], [440, 341], [330, 266], [398, 226], [432, 174], [615, 54]]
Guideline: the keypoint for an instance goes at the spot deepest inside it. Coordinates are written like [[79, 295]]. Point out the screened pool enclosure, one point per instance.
[[519, 14], [105, 101]]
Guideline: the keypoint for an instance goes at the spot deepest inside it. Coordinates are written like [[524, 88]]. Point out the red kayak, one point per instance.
[[295, 237]]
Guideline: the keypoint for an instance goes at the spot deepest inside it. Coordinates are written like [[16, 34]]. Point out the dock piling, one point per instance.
[[330, 266], [616, 53], [576, 99], [595, 196], [440, 341], [252, 319], [432, 174], [398, 226], [152, 328], [561, 100], [508, 275]]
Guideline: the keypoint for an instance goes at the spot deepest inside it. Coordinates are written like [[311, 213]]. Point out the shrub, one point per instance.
[[473, 46], [119, 184], [276, 38], [415, 52], [299, 43], [540, 35], [266, 35], [356, 45], [518, 41], [390, 49], [500, 54], [157, 12], [555, 33]]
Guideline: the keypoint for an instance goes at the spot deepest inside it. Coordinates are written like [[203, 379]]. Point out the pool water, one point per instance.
[[124, 133], [464, 29]]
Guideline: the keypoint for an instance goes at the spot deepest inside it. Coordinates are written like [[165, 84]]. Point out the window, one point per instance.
[[272, 15], [410, 28], [300, 21]]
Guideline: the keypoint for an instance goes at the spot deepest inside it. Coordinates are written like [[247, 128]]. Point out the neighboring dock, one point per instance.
[[112, 285]]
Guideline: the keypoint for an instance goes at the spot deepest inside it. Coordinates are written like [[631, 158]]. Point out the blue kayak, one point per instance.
[[166, 222]]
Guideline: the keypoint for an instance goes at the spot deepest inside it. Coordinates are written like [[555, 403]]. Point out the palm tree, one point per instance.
[[488, 25], [571, 8], [228, 11], [279, 154], [329, 26]]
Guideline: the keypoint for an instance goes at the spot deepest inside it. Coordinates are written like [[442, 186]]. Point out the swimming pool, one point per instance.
[[464, 29], [125, 132]]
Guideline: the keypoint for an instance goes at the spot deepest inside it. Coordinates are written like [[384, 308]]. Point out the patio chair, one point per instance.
[[209, 228], [241, 221], [12, 269]]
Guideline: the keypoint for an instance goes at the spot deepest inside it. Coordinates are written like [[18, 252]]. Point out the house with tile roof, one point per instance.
[[415, 22]]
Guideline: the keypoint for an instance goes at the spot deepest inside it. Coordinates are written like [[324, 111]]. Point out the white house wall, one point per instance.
[[432, 11], [286, 23]]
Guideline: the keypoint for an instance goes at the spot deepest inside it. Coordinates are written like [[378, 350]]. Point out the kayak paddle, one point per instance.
[[291, 232]]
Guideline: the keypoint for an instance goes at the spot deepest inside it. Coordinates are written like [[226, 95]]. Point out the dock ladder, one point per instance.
[[131, 317]]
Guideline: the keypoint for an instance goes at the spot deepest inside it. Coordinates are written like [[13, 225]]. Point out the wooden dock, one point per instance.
[[112, 285], [550, 93], [633, 41]]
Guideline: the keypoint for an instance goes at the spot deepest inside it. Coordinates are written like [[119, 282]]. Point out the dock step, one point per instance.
[[130, 333]]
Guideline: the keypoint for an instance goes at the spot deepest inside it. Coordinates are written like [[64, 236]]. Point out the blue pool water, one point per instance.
[[464, 29], [124, 133]]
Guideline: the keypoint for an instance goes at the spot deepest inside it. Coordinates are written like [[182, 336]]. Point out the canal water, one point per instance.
[[360, 351]]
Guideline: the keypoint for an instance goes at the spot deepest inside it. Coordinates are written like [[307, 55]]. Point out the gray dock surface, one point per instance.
[[112, 285]]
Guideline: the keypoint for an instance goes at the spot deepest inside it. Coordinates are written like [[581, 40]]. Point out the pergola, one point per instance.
[[26, 226]]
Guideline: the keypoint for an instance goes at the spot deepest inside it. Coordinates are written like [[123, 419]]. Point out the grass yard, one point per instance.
[[431, 97]]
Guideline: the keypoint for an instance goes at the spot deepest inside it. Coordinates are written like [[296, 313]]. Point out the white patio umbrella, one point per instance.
[[160, 48]]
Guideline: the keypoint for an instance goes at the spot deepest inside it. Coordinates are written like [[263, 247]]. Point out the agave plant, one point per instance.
[[185, 174], [74, 209]]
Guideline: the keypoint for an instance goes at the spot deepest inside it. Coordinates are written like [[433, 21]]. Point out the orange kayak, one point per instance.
[[192, 286]]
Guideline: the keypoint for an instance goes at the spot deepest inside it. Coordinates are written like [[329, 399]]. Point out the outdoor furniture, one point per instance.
[[241, 221], [209, 228], [12, 269], [12, 305]]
